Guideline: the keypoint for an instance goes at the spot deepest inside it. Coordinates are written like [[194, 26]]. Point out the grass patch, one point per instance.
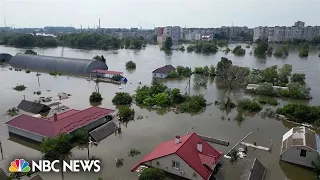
[[20, 88], [54, 73], [133, 152], [272, 102]]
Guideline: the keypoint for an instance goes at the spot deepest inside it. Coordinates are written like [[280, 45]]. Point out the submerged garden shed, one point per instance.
[[57, 64]]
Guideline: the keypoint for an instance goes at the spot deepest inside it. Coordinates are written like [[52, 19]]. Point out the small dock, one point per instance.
[[214, 140], [255, 146]]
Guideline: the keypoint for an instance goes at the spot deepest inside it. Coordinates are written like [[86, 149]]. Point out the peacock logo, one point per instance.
[[19, 165]]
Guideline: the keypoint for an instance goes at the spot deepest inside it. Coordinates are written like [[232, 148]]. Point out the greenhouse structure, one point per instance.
[[56, 64]]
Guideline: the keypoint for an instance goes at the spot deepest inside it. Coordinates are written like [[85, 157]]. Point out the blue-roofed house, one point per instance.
[[301, 146]]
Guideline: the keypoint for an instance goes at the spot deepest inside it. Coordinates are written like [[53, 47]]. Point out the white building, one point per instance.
[[188, 156], [261, 33], [163, 72], [193, 36], [282, 33], [300, 145]]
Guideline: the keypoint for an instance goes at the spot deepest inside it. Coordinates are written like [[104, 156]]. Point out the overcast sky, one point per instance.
[[150, 13]]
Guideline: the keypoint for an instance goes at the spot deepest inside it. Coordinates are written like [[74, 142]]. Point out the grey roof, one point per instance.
[[33, 107], [37, 177], [3, 175], [4, 57], [300, 136], [165, 69], [58, 64], [103, 131], [254, 170]]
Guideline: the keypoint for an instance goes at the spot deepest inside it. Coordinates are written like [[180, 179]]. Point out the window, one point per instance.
[[155, 74], [303, 153], [176, 165], [158, 163]]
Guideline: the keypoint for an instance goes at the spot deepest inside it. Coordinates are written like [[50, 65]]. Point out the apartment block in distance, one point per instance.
[[283, 33]]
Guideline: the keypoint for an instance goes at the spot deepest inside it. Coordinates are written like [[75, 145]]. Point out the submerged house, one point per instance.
[[188, 156], [301, 146], [37, 128], [163, 72], [33, 107], [253, 170]]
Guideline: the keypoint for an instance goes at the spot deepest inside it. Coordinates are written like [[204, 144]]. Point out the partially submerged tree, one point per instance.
[[152, 174], [58, 148], [99, 58], [126, 114], [95, 97], [122, 98]]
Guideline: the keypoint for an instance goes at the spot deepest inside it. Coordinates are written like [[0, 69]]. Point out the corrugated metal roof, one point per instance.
[[187, 151], [33, 107], [58, 64], [103, 131], [254, 170]]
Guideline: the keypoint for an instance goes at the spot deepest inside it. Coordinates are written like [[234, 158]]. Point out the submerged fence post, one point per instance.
[[1, 150]]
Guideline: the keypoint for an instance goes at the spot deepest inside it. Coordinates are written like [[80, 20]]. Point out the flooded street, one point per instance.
[[156, 126]]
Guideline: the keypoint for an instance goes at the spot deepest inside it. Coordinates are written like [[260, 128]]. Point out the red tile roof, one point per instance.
[[107, 72], [67, 122], [187, 151]]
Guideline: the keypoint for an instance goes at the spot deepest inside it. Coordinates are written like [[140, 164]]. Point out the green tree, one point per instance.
[[82, 137], [238, 50], [122, 98], [304, 50], [222, 65], [152, 174], [127, 43], [130, 65], [99, 58], [212, 71], [126, 114], [57, 148], [95, 97], [162, 99], [176, 96], [173, 74], [299, 78], [270, 74], [167, 44], [261, 48]]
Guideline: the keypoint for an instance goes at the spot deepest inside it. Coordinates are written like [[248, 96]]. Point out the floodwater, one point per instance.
[[156, 126]]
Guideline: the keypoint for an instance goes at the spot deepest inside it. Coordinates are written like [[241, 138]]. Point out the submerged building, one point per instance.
[[57, 64]]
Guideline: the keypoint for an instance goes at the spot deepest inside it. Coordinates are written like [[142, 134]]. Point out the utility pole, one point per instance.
[[1, 150], [4, 19]]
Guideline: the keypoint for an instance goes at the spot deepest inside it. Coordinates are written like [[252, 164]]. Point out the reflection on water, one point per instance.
[[157, 125]]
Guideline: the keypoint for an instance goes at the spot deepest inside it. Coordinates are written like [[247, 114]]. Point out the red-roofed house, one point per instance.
[[188, 156], [36, 128]]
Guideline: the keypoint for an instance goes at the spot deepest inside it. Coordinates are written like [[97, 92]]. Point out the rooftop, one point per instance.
[[186, 149], [300, 136], [107, 72], [165, 69], [66, 122]]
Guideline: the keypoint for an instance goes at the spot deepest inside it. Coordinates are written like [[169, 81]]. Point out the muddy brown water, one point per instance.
[[156, 126]]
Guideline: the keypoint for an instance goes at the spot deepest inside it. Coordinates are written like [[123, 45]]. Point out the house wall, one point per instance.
[[26, 134], [165, 163], [292, 155], [159, 75]]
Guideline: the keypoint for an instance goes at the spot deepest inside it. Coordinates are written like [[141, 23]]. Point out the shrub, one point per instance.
[[173, 74], [184, 71], [193, 104], [20, 88], [253, 79], [28, 71], [202, 70], [13, 112], [133, 152], [239, 117], [300, 112], [122, 98], [176, 96], [130, 65], [238, 50], [296, 91], [126, 114], [152, 174], [249, 105], [272, 102], [95, 97], [54, 73]]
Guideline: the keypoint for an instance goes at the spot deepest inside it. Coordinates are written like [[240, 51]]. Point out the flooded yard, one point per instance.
[[156, 126]]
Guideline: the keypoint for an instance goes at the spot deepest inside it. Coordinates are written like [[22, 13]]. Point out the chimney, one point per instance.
[[199, 146], [55, 117], [177, 140]]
